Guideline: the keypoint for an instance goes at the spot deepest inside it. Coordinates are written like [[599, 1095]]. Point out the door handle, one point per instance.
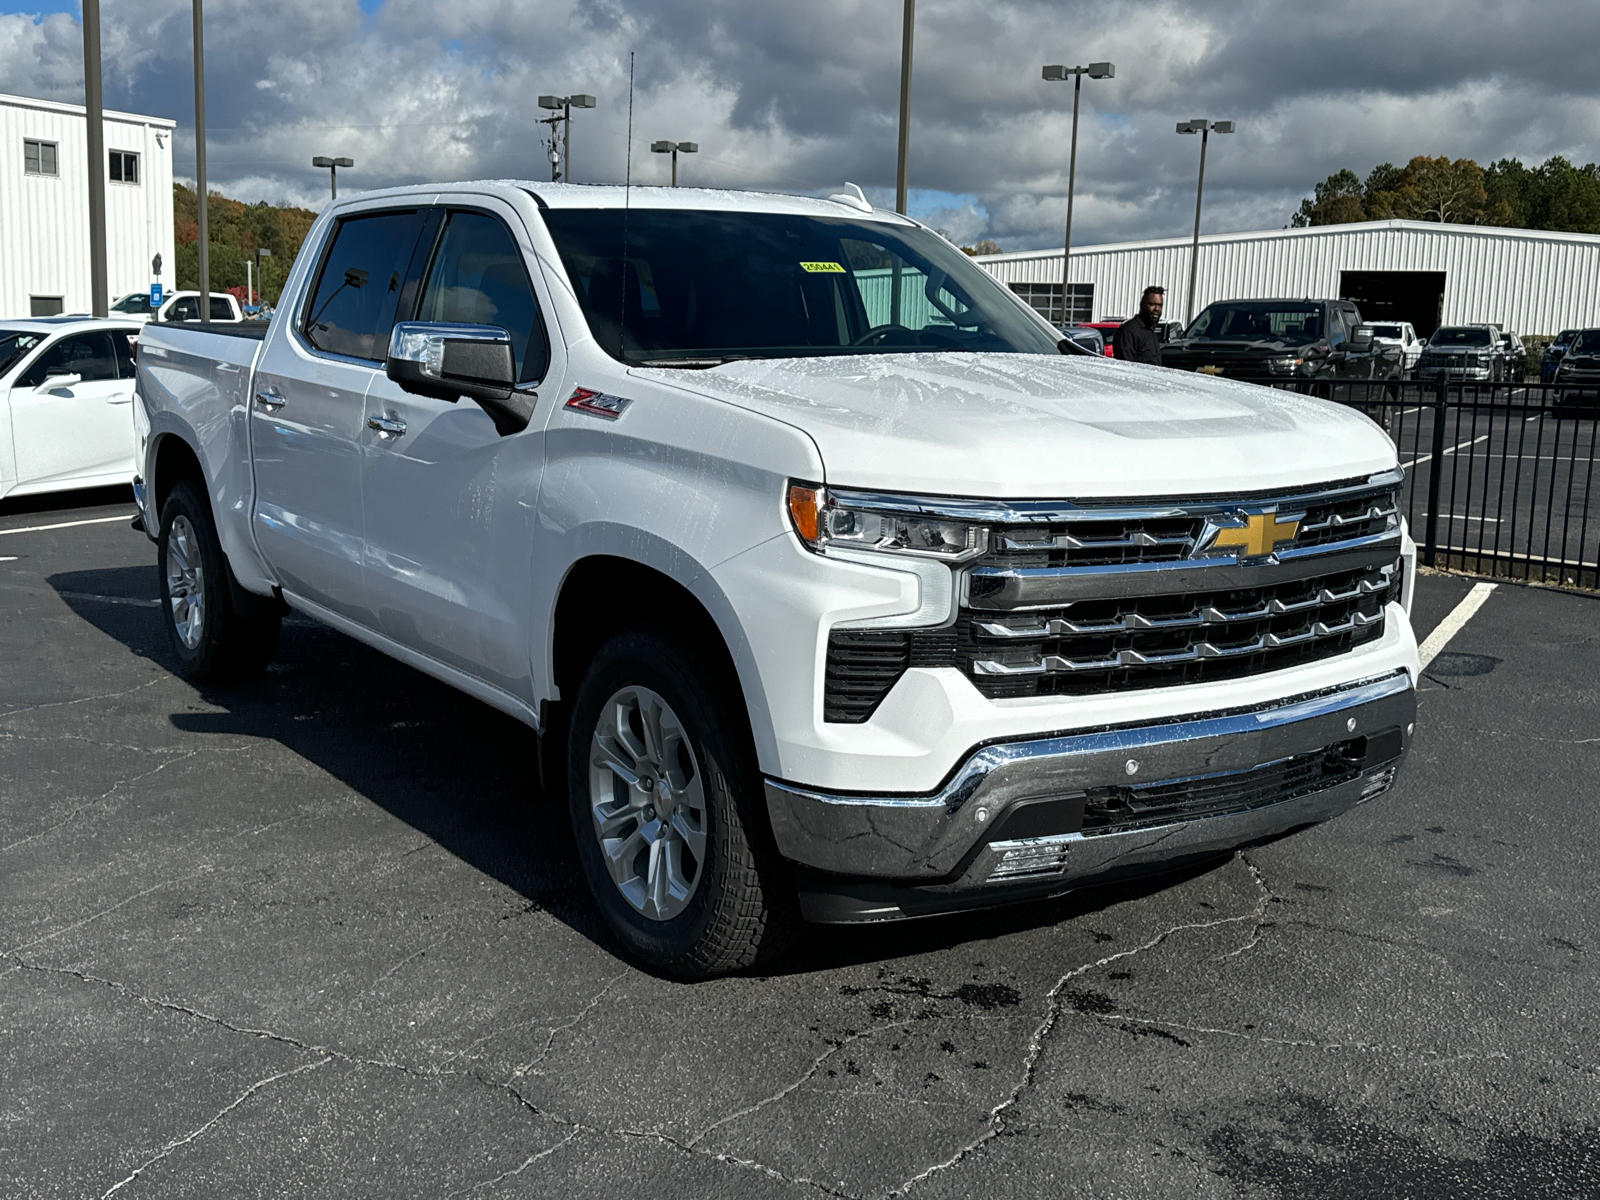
[[391, 425], [271, 401]]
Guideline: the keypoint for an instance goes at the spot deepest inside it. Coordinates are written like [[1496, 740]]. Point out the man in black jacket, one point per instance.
[[1136, 339]]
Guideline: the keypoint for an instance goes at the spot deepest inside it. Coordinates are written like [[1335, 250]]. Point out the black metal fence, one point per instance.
[[1499, 476]]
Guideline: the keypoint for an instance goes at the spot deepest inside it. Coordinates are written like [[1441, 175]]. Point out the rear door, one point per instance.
[[77, 427], [308, 417], [450, 502]]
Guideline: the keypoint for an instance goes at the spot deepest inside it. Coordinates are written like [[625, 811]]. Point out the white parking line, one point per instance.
[[1452, 624], [67, 524]]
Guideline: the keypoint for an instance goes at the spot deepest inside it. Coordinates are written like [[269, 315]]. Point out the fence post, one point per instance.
[[1430, 538]]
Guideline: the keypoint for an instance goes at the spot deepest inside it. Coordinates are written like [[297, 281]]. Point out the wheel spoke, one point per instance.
[[693, 836], [656, 881], [620, 853], [615, 758], [613, 822]]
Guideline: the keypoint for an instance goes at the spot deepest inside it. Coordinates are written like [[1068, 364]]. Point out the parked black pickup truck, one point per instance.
[[1300, 342]]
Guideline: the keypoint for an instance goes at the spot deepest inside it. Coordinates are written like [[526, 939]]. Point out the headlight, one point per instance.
[[879, 524], [1283, 364]]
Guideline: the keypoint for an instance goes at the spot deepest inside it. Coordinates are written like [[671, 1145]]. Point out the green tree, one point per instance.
[[1337, 201], [1437, 189], [236, 231]]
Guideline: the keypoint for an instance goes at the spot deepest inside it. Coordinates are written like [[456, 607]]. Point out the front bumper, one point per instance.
[[1432, 372], [1011, 822]]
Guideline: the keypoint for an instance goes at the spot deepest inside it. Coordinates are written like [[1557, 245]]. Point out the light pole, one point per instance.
[[901, 167], [561, 109], [99, 299], [1099, 70], [200, 163], [1205, 129], [333, 165], [673, 148]]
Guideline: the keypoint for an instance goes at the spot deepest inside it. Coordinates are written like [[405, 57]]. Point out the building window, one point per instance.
[[124, 166], [44, 306], [1045, 298], [39, 158]]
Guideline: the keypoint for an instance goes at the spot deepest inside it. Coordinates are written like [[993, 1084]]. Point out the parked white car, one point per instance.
[[66, 388], [177, 306], [1401, 334], [834, 588]]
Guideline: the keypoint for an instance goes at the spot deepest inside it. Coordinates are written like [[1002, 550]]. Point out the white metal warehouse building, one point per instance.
[[1430, 274], [44, 205]]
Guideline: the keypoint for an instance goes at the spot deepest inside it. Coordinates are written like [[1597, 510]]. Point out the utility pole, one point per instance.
[[906, 40], [560, 109], [1204, 129], [200, 161], [99, 297], [1100, 70]]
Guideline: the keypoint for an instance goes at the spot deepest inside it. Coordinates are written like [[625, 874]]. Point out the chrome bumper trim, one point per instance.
[[928, 838]]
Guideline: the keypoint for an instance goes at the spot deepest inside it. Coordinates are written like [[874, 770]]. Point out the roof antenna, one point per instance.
[[627, 191]]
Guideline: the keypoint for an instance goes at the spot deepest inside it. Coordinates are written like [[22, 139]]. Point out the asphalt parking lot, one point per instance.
[[319, 936]]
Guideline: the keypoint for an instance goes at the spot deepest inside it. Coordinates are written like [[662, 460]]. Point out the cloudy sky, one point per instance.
[[797, 96]]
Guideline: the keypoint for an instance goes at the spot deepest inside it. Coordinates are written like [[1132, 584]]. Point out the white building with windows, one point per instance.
[[1526, 280], [44, 205]]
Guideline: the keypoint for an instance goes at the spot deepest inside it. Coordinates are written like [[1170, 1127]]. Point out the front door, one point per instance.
[[308, 413], [450, 502], [71, 415]]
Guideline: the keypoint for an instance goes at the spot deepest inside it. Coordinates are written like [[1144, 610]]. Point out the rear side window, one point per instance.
[[478, 278], [186, 309], [88, 355], [221, 310], [352, 308], [124, 352]]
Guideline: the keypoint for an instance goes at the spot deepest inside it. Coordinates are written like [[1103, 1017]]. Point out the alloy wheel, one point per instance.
[[648, 803], [186, 582]]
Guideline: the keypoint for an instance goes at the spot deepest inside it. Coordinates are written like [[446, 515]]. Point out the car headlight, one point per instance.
[[879, 523], [1283, 363]]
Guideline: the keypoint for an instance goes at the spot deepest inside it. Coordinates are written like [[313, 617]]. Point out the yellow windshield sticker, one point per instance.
[[824, 268]]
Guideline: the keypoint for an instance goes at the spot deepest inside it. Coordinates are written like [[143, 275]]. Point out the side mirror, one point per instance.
[[55, 377], [1361, 338], [446, 361]]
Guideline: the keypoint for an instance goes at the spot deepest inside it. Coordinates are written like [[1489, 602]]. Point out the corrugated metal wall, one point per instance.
[[44, 220], [1532, 282]]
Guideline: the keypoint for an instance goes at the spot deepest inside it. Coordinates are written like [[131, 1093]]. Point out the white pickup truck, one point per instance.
[[832, 585]]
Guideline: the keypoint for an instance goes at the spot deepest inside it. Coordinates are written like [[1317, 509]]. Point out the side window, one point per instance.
[[186, 309], [124, 353], [353, 305], [478, 278], [221, 310], [88, 354]]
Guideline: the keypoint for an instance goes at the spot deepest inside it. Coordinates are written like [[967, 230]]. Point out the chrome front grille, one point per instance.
[[1079, 599]]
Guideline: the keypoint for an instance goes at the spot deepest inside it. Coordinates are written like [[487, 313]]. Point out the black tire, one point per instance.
[[236, 633], [743, 907]]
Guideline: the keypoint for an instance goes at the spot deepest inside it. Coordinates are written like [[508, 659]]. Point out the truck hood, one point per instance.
[[1021, 426], [1263, 346]]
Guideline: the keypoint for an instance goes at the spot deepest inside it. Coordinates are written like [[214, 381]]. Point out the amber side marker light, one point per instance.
[[805, 510]]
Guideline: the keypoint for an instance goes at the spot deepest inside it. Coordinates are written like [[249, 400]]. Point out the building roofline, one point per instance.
[[78, 110], [1354, 227]]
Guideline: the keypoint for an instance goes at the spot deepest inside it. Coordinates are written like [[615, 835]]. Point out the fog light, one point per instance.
[[1028, 858]]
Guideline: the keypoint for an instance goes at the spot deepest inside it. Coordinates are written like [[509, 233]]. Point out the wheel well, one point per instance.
[[600, 596], [175, 461]]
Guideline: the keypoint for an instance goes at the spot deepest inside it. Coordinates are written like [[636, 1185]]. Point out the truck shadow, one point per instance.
[[465, 775]]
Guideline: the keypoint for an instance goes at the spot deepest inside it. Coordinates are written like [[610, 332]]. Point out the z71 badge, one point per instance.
[[598, 404]]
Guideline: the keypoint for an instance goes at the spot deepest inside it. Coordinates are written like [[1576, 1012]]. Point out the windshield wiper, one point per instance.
[[697, 361]]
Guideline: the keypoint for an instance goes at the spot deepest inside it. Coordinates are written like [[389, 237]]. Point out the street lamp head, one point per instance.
[[689, 147], [1102, 70], [581, 101], [322, 160], [344, 162], [263, 252], [662, 147], [1222, 127], [552, 101], [1057, 73]]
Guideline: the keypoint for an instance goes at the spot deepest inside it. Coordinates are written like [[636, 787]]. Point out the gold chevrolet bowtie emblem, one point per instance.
[[1261, 535]]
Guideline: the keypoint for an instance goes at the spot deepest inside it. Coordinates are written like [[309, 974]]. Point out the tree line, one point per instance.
[[1554, 195], [237, 230]]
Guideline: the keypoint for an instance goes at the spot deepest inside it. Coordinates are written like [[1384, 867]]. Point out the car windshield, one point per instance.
[[14, 343], [1386, 331], [135, 302], [1257, 321], [1564, 338], [1586, 342], [663, 287], [1460, 337]]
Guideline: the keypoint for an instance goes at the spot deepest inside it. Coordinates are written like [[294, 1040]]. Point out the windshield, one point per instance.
[[1564, 338], [706, 287], [1587, 342], [1258, 321], [1386, 331], [1460, 337], [14, 343], [134, 302]]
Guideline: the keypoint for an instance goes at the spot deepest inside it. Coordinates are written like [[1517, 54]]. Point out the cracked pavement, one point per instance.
[[320, 936]]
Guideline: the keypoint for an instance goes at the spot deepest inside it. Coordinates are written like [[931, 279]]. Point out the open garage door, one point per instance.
[[1415, 296]]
